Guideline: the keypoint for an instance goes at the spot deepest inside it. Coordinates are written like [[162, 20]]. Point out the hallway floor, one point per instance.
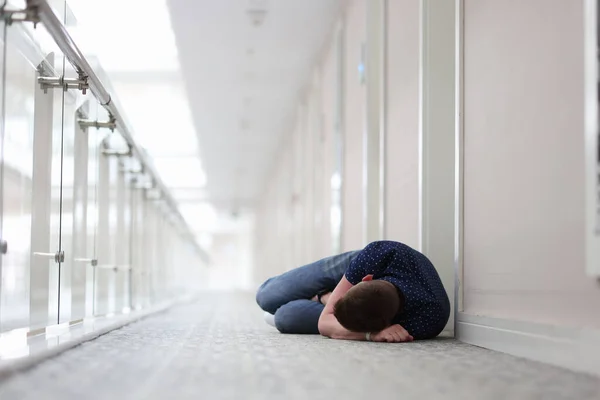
[[220, 348]]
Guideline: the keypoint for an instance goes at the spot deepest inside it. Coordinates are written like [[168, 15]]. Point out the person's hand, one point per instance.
[[324, 298], [392, 334]]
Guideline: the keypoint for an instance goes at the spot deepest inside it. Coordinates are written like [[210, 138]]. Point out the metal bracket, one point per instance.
[[132, 171], [59, 256], [29, 14], [93, 262], [143, 187], [110, 124], [597, 231], [113, 267], [116, 153], [53, 82]]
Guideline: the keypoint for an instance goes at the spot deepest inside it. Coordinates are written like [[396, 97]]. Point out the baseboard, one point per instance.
[[19, 350], [573, 348]]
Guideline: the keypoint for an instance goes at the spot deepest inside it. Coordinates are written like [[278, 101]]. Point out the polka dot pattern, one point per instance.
[[427, 307]]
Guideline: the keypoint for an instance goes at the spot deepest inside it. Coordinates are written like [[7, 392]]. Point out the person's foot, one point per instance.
[[270, 319]]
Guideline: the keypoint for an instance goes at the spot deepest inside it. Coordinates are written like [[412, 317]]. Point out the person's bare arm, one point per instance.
[[330, 327], [328, 324]]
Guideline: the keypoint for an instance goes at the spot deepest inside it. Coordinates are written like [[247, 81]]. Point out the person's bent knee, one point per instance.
[[261, 299], [288, 319], [284, 319], [265, 299]]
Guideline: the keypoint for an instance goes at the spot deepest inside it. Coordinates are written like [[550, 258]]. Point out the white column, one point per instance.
[[307, 189], [354, 113], [93, 138], [104, 272], [66, 199], [137, 224], [121, 234], [2, 128], [437, 138], [148, 252], [337, 178], [402, 122], [80, 258], [592, 140], [374, 134], [40, 214]]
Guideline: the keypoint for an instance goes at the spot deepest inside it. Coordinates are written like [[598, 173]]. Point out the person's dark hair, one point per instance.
[[369, 306]]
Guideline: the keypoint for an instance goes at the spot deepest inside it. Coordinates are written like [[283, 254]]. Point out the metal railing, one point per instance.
[[40, 11]]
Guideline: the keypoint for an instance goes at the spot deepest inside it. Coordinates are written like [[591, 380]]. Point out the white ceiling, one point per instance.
[[209, 94], [243, 83]]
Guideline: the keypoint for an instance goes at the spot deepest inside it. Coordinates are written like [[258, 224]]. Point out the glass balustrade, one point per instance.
[[85, 230]]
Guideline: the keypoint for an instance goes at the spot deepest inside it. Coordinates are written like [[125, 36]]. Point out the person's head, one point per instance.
[[369, 306]]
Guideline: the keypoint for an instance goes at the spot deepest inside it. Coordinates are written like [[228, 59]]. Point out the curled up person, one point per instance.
[[387, 292]]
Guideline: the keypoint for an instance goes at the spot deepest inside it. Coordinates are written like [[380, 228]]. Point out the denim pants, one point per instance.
[[288, 295]]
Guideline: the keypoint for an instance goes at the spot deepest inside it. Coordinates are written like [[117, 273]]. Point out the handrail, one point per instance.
[[69, 48]]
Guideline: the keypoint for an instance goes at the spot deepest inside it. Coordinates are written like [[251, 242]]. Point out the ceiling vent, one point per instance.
[[257, 11]]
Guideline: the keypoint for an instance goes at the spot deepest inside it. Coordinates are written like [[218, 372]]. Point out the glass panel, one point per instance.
[[3, 241], [55, 196], [66, 175], [17, 185], [94, 147], [122, 233], [79, 257], [148, 250], [596, 148], [41, 251], [104, 273], [112, 235], [61, 195], [137, 208], [112, 238], [109, 275], [48, 168], [159, 269], [32, 143]]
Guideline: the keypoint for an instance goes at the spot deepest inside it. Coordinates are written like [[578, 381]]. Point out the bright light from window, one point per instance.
[[336, 181], [161, 118], [138, 36], [205, 240], [180, 172], [135, 37], [200, 216]]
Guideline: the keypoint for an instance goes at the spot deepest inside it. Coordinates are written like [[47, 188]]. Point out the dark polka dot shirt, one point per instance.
[[427, 307]]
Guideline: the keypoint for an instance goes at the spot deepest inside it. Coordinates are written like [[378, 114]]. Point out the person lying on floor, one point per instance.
[[387, 292]]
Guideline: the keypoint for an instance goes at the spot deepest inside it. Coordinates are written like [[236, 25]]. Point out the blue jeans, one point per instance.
[[288, 295]]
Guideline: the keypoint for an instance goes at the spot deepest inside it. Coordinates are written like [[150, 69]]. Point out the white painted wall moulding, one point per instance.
[[592, 139], [573, 348]]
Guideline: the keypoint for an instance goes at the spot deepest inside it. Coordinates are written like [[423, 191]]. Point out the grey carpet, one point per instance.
[[220, 348]]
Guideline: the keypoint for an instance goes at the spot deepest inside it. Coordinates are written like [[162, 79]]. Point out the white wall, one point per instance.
[[437, 129], [524, 171], [295, 211], [354, 125], [231, 260], [402, 161], [402, 122]]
